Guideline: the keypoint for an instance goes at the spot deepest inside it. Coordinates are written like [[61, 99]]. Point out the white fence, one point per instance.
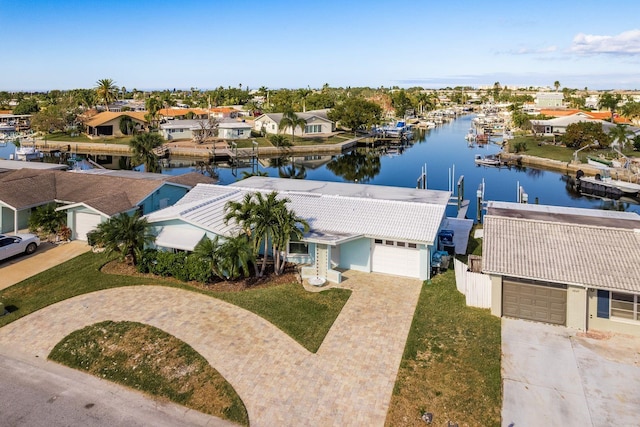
[[476, 287]]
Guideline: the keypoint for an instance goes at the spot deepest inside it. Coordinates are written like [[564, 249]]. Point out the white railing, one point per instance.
[[476, 287]]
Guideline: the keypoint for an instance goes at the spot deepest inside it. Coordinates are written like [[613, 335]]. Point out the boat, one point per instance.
[[27, 153], [489, 160], [599, 162], [603, 184], [471, 135]]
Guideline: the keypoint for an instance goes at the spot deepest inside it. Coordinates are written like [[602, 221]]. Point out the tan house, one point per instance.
[[317, 124], [107, 124], [574, 267]]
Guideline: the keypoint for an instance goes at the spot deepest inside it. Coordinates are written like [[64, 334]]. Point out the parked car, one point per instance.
[[18, 244]]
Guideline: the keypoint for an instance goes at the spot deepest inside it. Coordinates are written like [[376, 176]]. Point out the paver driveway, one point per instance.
[[349, 381]]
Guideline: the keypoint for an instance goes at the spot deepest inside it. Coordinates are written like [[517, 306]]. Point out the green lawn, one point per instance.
[[150, 360], [65, 137], [305, 316], [451, 362], [543, 147]]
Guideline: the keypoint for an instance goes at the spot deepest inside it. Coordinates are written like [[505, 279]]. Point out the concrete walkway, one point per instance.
[[349, 381], [48, 255], [554, 376]]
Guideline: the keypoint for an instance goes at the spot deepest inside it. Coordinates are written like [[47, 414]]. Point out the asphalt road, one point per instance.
[[37, 393]]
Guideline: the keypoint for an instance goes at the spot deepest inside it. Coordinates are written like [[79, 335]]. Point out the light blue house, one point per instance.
[[87, 197], [353, 226]]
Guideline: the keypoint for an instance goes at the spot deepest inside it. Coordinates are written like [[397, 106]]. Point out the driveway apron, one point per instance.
[[349, 381]]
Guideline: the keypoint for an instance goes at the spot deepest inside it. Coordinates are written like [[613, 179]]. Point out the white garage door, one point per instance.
[[85, 222], [398, 258]]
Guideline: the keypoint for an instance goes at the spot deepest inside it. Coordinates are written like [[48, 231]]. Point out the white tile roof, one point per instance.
[[586, 255], [327, 214]]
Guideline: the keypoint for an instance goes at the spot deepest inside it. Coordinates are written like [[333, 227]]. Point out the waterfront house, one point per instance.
[[567, 266], [362, 227], [558, 125], [107, 124], [317, 124], [88, 197], [234, 129]]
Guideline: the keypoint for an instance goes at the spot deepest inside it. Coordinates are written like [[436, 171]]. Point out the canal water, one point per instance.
[[443, 150]]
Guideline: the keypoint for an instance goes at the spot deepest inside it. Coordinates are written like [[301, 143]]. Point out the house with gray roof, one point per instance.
[[568, 266], [352, 226], [88, 198], [317, 124]]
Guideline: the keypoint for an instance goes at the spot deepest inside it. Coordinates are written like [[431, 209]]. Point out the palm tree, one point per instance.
[[107, 91], [610, 101], [236, 254], [124, 234], [153, 106], [292, 171], [291, 119], [246, 174], [291, 227], [631, 110], [47, 219], [208, 251], [556, 84], [127, 125], [142, 148], [620, 133]]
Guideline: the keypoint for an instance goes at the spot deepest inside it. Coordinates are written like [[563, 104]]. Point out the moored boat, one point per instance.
[[490, 160]]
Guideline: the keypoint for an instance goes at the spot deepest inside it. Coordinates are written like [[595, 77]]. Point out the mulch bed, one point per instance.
[[269, 280]]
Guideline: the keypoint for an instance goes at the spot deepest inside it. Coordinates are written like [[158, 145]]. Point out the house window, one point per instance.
[[313, 129], [412, 245], [298, 248], [378, 241], [401, 244], [624, 306], [389, 242]]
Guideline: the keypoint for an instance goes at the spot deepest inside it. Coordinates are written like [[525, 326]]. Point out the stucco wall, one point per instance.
[[355, 255], [611, 325], [6, 220], [496, 295], [170, 192]]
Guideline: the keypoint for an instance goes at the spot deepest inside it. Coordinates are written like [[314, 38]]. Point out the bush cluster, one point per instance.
[[182, 266]]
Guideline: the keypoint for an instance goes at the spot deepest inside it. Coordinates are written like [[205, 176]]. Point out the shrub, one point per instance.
[[198, 270]]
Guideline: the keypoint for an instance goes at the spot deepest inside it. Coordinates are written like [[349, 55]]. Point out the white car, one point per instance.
[[18, 244]]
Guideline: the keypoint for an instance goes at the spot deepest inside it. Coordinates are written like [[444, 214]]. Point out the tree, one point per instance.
[[124, 234], [279, 141], [610, 102], [290, 227], [236, 254], [107, 91], [53, 118], [582, 134], [27, 106], [208, 251], [207, 128], [292, 171], [631, 110], [47, 219], [620, 134], [127, 125], [556, 84], [357, 166], [401, 103], [291, 119], [246, 174], [142, 147], [355, 113], [153, 106]]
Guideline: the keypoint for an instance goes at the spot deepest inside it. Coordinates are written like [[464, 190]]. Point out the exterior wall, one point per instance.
[[23, 219], [496, 295], [356, 255], [425, 261], [304, 259], [234, 133], [327, 127], [169, 193], [265, 123], [6, 220], [610, 325], [92, 131], [576, 307], [172, 134]]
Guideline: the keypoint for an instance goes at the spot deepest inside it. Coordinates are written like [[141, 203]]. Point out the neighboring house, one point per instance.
[[549, 99], [558, 125], [182, 129], [317, 124], [568, 266], [88, 197], [233, 129], [181, 113], [108, 123], [353, 226]]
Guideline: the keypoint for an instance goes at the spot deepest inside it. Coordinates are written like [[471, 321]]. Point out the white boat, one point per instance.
[[604, 180], [490, 160], [27, 153], [471, 135]]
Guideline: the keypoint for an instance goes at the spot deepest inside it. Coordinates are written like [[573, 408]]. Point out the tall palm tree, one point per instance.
[[208, 251], [290, 227], [621, 134], [142, 148], [153, 106], [236, 254], [127, 125], [124, 234], [291, 119], [556, 84], [107, 91]]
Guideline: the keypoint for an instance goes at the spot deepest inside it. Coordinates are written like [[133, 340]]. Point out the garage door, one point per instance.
[[85, 222], [393, 257], [542, 302]]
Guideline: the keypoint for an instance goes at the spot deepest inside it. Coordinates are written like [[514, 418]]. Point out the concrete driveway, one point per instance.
[[554, 376], [48, 255]]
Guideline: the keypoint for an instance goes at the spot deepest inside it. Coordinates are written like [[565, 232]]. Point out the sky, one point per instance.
[[144, 44]]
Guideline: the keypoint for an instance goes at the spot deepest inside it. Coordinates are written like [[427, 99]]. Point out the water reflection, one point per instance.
[[361, 165]]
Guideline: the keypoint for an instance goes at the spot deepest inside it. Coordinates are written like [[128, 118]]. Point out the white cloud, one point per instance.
[[626, 43], [529, 51]]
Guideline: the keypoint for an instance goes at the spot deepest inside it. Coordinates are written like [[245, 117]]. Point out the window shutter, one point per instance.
[[603, 304]]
